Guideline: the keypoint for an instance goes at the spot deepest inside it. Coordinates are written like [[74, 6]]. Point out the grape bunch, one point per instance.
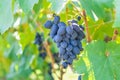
[[39, 42], [68, 38]]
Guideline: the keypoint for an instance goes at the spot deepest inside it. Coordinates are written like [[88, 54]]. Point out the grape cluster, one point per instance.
[[68, 38], [39, 42]]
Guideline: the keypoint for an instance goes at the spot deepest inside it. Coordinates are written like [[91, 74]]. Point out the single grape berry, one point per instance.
[[81, 27], [64, 64], [48, 24], [69, 48], [58, 38], [65, 56], [61, 24], [78, 18], [76, 50], [69, 61], [69, 30], [54, 30], [63, 44], [61, 30], [56, 19], [74, 21], [73, 42], [74, 35], [43, 55], [61, 50]]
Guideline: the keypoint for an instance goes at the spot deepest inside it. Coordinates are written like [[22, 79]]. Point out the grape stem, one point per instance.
[[115, 33], [86, 27], [61, 73], [49, 53], [76, 9]]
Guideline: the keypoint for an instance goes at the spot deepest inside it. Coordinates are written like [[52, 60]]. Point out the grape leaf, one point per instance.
[[96, 7], [117, 18], [80, 67], [104, 58], [27, 5], [6, 17], [58, 5]]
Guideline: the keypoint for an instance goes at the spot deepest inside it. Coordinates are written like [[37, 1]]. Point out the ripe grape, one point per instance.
[[63, 44], [61, 30], [74, 42], [78, 18], [69, 48], [69, 61], [64, 64], [54, 30], [58, 38], [48, 24], [56, 19], [69, 30], [61, 24], [74, 21], [76, 50], [61, 50]]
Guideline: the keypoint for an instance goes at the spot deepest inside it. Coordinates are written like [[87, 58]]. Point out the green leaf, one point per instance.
[[104, 58], [117, 18], [81, 68], [58, 5], [96, 7], [6, 17], [13, 51], [27, 5]]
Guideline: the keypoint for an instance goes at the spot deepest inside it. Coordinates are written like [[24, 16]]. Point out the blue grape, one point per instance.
[[61, 30], [73, 56], [58, 38], [43, 55], [56, 19], [69, 48], [66, 39], [61, 24], [48, 24], [65, 56], [74, 42], [76, 27], [82, 27], [63, 44], [67, 36], [54, 30], [78, 18], [74, 35], [80, 45], [38, 39], [76, 50], [81, 34], [61, 50], [58, 44], [69, 30], [74, 21], [64, 64], [69, 61]]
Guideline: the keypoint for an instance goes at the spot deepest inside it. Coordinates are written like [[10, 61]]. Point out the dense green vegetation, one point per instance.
[[27, 51]]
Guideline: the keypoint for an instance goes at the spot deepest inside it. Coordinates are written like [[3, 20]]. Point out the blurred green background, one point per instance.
[[20, 20]]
